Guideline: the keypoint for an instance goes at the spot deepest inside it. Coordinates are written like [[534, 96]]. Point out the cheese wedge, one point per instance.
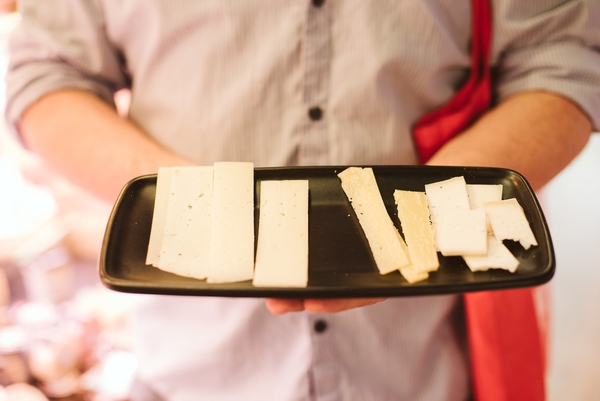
[[508, 221], [185, 247], [418, 234], [159, 215], [361, 188], [232, 235], [282, 245]]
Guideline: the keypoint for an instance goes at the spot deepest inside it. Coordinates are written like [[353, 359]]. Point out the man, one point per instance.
[[297, 83]]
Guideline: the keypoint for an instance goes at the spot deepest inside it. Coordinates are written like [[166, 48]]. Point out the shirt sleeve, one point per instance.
[[551, 45], [60, 44]]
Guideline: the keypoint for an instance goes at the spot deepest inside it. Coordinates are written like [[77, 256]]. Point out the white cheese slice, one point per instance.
[[508, 221], [282, 244], [159, 215], [445, 197], [414, 219], [232, 236], [498, 256], [185, 247], [457, 229], [360, 186], [482, 193], [462, 232]]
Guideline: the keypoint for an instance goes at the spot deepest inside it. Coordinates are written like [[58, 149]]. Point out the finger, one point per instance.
[[338, 305], [279, 306]]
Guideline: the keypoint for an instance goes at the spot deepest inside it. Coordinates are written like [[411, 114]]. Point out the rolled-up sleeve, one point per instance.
[[551, 45], [60, 44]]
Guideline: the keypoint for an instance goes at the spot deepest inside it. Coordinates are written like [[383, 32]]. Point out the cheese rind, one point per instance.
[[185, 247], [159, 214], [232, 236], [282, 245], [413, 214], [361, 188]]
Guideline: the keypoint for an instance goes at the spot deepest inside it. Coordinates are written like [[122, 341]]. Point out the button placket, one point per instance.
[[314, 144]]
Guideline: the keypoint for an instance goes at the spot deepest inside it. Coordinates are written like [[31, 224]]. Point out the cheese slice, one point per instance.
[[185, 247], [462, 232], [232, 236], [414, 219], [508, 221], [458, 230], [361, 188], [497, 256], [447, 195], [409, 272], [282, 244], [481, 193], [159, 215]]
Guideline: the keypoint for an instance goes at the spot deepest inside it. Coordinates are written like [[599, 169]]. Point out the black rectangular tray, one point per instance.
[[340, 261]]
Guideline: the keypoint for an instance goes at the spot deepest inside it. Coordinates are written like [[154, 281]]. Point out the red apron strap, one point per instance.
[[434, 129], [506, 352]]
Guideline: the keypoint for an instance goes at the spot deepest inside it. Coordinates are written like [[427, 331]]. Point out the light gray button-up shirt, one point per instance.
[[236, 80]]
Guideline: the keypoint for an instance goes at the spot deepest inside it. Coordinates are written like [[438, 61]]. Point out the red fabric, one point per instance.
[[434, 129], [505, 340]]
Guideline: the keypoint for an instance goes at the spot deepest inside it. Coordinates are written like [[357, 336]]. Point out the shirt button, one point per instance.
[[315, 113], [318, 3], [320, 326]]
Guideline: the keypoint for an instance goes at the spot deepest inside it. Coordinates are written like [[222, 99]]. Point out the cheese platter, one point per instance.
[[340, 260]]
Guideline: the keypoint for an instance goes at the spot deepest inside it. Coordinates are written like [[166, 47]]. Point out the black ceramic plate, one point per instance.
[[340, 262]]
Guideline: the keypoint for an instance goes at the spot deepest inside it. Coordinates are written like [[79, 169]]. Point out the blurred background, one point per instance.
[[63, 336]]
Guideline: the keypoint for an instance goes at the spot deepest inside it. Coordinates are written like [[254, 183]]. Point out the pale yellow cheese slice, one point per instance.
[[186, 241], [159, 215], [409, 272], [232, 235], [361, 188], [418, 234], [282, 244]]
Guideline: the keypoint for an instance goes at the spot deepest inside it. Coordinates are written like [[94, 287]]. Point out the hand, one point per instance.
[[280, 306]]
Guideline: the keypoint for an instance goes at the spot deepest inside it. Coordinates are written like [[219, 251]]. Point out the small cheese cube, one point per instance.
[[282, 245], [360, 186], [232, 236]]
